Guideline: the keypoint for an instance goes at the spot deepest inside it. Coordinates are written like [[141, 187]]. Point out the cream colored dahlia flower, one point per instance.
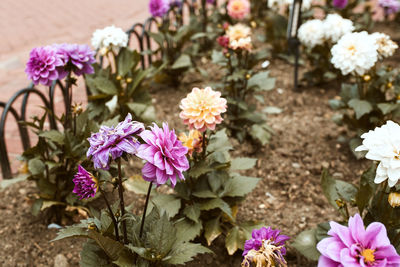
[[202, 108], [238, 31], [386, 47]]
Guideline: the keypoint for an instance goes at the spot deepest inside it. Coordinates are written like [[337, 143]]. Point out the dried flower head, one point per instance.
[[394, 199], [268, 255], [86, 185], [386, 47], [202, 109]]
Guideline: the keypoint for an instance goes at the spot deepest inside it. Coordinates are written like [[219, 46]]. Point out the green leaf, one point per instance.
[[36, 166], [336, 104], [260, 133], [337, 189], [92, 255], [204, 194], [386, 108], [126, 60], [187, 230], [361, 107], [367, 188], [218, 57], [71, 231], [54, 136], [137, 185], [212, 229], [183, 61], [200, 168], [239, 186], [192, 212], [234, 240], [170, 203], [272, 110], [105, 85], [306, 244], [354, 143], [219, 142], [261, 81], [184, 252], [162, 236], [217, 203], [243, 163]]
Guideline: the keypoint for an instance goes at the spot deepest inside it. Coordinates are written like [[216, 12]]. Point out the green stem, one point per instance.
[[111, 214], [121, 201], [145, 209]]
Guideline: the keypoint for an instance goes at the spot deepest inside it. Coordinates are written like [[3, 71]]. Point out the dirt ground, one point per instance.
[[288, 197]]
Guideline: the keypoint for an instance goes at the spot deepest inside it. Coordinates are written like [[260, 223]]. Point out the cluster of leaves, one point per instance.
[[52, 162], [163, 242], [119, 88], [371, 201], [180, 45], [206, 204], [241, 86], [368, 103]]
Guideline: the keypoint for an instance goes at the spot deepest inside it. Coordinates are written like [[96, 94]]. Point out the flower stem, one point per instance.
[[111, 214], [121, 201], [145, 209]]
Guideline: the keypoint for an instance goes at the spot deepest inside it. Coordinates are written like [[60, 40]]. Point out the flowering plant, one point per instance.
[[116, 234], [117, 86], [243, 83], [371, 97]]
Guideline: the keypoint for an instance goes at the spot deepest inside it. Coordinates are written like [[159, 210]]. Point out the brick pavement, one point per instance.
[[25, 24]]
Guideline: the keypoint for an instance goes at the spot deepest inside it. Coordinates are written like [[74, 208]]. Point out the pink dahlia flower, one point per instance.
[[202, 109], [238, 9], [42, 66], [86, 184], [165, 155], [355, 246]]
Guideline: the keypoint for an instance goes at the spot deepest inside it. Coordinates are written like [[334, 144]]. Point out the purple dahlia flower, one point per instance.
[[340, 3], [264, 234], [390, 6], [110, 141], [42, 66], [165, 155], [86, 184], [79, 58], [158, 8], [356, 246]]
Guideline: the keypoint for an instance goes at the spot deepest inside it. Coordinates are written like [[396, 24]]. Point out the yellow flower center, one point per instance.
[[397, 154], [368, 255], [352, 49], [96, 182], [237, 5]]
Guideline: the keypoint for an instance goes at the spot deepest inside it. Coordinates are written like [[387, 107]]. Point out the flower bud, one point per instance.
[[227, 55], [92, 226], [119, 77], [394, 199], [129, 80], [248, 76], [366, 78], [253, 24], [389, 85], [340, 203]]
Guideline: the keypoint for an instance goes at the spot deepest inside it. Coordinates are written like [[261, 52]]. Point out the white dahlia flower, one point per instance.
[[383, 144], [242, 43], [386, 46], [336, 27], [311, 33], [355, 53], [110, 37]]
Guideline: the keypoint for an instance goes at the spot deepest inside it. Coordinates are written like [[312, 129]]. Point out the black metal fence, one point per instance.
[[139, 32]]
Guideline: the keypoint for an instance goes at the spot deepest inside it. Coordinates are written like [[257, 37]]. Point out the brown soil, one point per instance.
[[288, 197]]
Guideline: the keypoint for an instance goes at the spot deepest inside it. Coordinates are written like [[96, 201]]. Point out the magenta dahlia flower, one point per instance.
[[340, 3], [86, 184], [356, 246], [113, 142], [76, 58], [265, 234], [165, 155], [158, 8], [390, 6], [42, 66]]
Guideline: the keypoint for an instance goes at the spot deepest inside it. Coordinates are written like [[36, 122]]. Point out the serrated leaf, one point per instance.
[[306, 244], [243, 163], [212, 229], [184, 252], [199, 169], [219, 142], [239, 186], [137, 185], [192, 212], [361, 107], [105, 85], [170, 203], [36, 166], [218, 203], [367, 188], [187, 230], [54, 136], [126, 60], [183, 61], [162, 236], [234, 240], [261, 81], [92, 255], [336, 189], [204, 194]]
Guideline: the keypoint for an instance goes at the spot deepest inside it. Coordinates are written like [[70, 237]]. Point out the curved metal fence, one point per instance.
[[139, 32]]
